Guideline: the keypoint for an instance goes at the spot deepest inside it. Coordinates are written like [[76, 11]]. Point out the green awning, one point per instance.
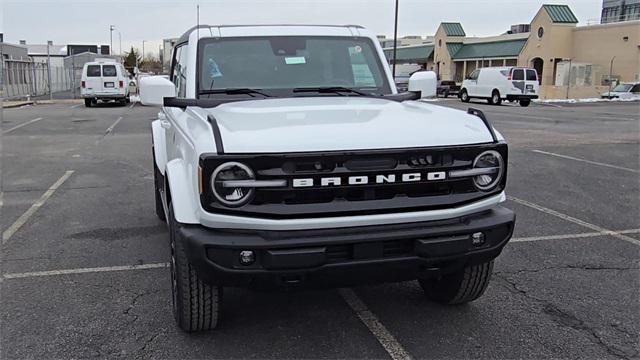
[[410, 54], [453, 48], [494, 49]]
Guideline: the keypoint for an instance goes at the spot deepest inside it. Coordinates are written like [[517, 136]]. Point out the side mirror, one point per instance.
[[424, 82], [153, 90]]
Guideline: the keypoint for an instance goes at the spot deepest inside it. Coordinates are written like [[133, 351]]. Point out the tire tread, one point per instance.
[[464, 286]]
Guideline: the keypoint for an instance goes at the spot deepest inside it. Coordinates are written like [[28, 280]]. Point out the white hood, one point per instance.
[[342, 123]]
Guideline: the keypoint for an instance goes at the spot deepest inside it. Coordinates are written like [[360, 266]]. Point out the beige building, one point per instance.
[[570, 59]]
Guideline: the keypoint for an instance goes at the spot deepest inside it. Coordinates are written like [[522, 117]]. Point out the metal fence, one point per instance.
[[27, 79]]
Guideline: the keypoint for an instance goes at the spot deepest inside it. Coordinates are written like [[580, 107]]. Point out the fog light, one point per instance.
[[477, 239], [247, 257]]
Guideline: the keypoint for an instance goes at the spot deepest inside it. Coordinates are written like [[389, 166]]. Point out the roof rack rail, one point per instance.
[[480, 114]]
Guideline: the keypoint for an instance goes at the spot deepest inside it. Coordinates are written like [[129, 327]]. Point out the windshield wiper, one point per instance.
[[330, 89], [234, 91]]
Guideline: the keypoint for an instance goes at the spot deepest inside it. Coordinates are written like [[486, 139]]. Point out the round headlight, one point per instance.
[[491, 161], [231, 195]]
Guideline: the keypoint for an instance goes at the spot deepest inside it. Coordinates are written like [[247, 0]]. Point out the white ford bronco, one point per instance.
[[285, 157]]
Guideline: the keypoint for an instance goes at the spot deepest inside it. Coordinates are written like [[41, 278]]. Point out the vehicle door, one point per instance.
[[531, 84], [93, 82], [471, 83], [518, 80], [110, 79]]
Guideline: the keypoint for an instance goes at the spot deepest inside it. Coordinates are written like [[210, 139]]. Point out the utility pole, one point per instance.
[[142, 61], [395, 41], [111, 28], [610, 77], [120, 40], [49, 43]]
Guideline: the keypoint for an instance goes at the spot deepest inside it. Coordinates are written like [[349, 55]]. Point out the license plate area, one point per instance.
[[529, 87], [109, 84]]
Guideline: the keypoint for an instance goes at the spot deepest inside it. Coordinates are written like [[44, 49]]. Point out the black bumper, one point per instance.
[[521, 97], [346, 256]]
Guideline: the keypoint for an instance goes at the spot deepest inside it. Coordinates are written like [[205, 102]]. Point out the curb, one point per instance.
[[15, 104], [59, 101], [18, 104]]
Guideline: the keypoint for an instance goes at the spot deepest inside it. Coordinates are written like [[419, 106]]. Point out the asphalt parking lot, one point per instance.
[[84, 257]]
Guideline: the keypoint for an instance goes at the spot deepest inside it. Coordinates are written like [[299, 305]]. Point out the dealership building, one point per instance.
[[581, 59]]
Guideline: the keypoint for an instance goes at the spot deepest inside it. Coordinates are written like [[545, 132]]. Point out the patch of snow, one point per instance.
[[134, 98], [587, 100], [430, 99]]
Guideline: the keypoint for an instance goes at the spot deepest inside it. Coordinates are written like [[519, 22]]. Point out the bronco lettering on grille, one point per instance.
[[368, 179]]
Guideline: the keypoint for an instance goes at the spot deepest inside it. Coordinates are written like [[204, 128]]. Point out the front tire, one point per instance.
[[196, 304], [460, 287], [525, 102], [464, 96]]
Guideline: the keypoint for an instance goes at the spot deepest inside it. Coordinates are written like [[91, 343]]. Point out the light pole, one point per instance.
[[610, 76], [142, 61], [395, 41], [120, 40], [111, 28]]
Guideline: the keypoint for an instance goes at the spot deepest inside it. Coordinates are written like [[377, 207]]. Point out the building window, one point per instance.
[[440, 43], [540, 32]]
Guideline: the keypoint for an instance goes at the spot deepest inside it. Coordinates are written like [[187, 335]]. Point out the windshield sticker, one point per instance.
[[214, 70], [293, 60]]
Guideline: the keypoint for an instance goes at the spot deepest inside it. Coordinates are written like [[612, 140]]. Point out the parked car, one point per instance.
[[402, 82], [501, 83], [623, 91], [447, 87], [290, 160], [104, 80]]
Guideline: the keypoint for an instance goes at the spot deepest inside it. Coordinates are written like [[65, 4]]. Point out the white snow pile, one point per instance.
[[134, 98], [586, 100]]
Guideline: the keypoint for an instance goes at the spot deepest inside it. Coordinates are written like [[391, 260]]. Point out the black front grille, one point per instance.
[[345, 199]]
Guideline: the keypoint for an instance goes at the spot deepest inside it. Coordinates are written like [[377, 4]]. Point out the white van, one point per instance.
[[501, 83], [104, 80]]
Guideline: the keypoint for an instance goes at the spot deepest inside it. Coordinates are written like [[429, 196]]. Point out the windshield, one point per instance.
[[281, 64], [622, 88]]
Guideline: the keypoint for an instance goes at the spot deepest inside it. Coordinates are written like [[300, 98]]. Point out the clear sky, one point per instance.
[[87, 22]]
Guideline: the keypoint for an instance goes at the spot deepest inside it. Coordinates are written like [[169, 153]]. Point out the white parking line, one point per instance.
[[575, 220], [6, 235], [21, 125], [573, 236], [386, 339], [586, 161], [74, 106], [83, 270], [110, 128]]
